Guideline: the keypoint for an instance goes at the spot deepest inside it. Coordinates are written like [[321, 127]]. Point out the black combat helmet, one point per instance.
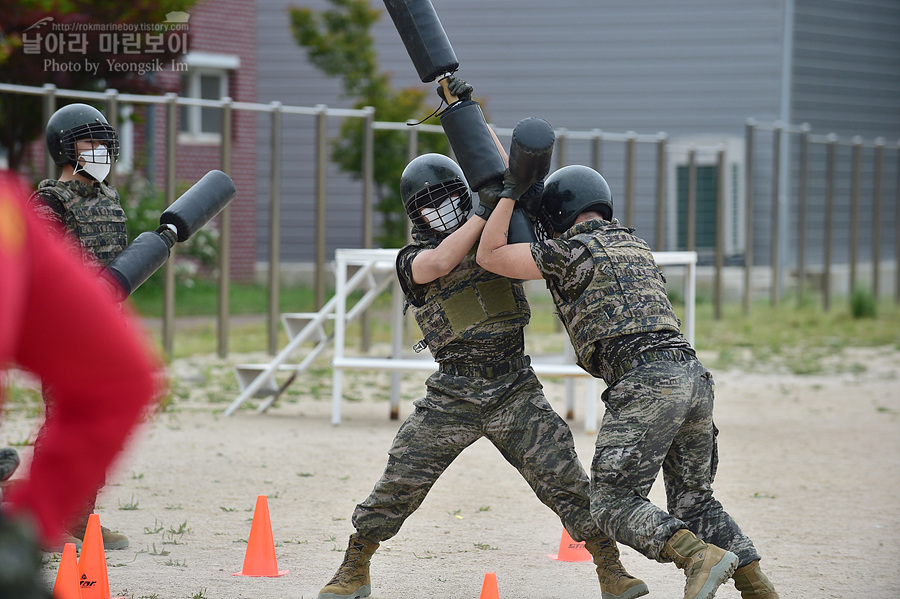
[[75, 122], [570, 191], [427, 183]]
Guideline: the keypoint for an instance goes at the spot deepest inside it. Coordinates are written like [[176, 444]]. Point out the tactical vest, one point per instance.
[[627, 294], [96, 218], [467, 298]]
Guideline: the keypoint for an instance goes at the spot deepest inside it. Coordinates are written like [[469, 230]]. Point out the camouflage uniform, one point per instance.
[[473, 323], [89, 212], [659, 401]]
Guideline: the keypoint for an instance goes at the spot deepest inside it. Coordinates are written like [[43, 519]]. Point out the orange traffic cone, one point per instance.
[[489, 589], [571, 551], [92, 575], [260, 558], [66, 585]]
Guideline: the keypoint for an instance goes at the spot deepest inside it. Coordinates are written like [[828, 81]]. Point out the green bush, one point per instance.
[[143, 203], [862, 303]]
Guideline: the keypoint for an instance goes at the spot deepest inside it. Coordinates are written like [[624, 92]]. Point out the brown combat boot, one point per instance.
[[352, 581], [615, 582], [752, 583], [111, 540], [705, 566]]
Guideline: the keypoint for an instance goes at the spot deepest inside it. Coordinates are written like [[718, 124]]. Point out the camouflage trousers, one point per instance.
[[660, 415], [510, 411]]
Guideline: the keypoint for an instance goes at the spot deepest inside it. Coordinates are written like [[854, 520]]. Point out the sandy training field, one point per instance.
[[810, 469]]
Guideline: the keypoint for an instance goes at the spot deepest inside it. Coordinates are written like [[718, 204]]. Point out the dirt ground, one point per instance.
[[810, 469]]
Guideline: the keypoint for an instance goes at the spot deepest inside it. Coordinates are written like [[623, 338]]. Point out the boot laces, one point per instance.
[[607, 560], [353, 559]]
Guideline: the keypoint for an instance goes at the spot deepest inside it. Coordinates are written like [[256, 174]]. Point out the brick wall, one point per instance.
[[223, 27]]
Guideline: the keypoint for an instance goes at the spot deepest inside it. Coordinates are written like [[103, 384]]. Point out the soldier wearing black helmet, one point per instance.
[[84, 145], [611, 297], [86, 211], [472, 322]]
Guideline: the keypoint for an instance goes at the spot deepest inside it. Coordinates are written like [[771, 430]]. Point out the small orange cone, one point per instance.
[[66, 585], [571, 551], [489, 589], [92, 575], [260, 558]]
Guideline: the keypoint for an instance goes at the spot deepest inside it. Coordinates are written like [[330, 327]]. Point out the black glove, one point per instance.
[[457, 87], [531, 200], [512, 187], [488, 196]]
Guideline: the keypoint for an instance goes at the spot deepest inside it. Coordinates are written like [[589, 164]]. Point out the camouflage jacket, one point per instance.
[[91, 213], [610, 295], [469, 316]]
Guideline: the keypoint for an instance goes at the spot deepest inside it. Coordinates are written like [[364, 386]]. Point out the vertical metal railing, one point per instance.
[[854, 209], [829, 218], [274, 274], [749, 148], [597, 150], [49, 107], [112, 117], [897, 233], [802, 193], [691, 225], [321, 197], [223, 304], [661, 191], [721, 204], [368, 202], [630, 146], [168, 326], [412, 150], [776, 216], [561, 148], [877, 191]]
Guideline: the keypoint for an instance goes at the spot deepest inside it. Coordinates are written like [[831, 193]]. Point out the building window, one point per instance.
[[707, 197], [206, 78], [705, 225]]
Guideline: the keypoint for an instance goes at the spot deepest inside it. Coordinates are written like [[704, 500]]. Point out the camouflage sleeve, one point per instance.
[[49, 210], [565, 264], [404, 272]]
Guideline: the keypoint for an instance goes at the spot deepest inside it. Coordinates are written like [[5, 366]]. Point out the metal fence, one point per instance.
[[779, 182]]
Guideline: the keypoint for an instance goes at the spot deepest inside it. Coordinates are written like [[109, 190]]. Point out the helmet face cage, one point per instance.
[[543, 229], [432, 196], [101, 132]]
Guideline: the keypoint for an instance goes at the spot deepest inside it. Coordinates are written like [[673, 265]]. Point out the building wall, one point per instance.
[[579, 64], [287, 76], [225, 27], [846, 81], [697, 70]]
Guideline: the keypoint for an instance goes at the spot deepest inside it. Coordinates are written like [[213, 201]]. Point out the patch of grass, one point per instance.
[[799, 336], [484, 547], [132, 505], [203, 299], [156, 528]]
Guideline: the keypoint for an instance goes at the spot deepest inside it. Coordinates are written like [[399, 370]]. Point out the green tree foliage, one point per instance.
[[21, 116], [339, 43]]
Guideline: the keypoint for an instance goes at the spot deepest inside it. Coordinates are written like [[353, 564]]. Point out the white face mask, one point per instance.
[[96, 163], [445, 217]]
